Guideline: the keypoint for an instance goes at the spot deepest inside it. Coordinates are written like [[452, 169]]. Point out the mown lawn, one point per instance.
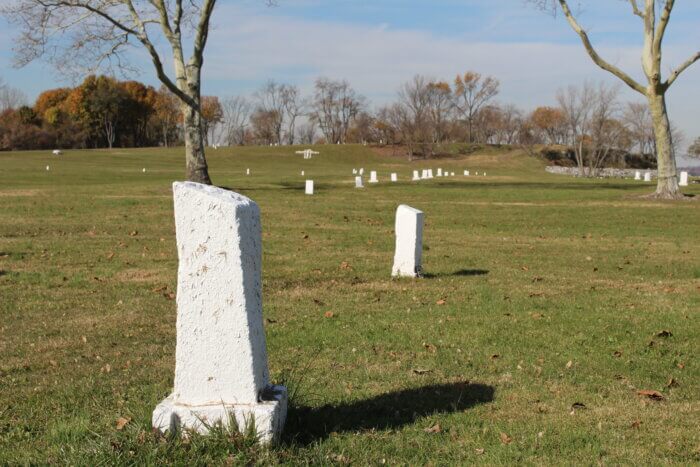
[[548, 303]]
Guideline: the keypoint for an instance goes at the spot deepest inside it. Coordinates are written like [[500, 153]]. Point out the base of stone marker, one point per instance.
[[268, 416]]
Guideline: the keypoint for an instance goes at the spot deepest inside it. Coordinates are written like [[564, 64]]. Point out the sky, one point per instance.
[[379, 44]]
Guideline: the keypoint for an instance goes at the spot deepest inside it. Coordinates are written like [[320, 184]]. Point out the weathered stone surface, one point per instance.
[[409, 242], [221, 356]]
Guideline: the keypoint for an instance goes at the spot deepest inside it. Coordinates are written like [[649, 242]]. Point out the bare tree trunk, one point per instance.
[[667, 183], [196, 164]]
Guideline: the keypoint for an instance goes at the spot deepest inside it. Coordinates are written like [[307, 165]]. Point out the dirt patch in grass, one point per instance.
[[19, 193], [141, 275]]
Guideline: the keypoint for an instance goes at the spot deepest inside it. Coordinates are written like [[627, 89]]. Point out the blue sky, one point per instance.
[[379, 44]]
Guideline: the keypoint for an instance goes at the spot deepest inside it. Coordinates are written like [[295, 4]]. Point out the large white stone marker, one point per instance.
[[637, 175], [409, 242], [415, 175], [647, 176], [373, 177], [358, 182], [221, 357], [394, 177], [309, 187], [439, 172], [684, 179]]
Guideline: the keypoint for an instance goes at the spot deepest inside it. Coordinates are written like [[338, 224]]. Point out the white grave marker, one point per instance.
[[221, 357], [409, 242], [48, 168], [247, 171], [373, 177], [362, 171], [309, 187], [394, 177], [416, 176], [354, 171], [302, 173], [439, 172], [57, 152], [684, 179], [637, 175], [143, 170], [358, 182], [647, 176]]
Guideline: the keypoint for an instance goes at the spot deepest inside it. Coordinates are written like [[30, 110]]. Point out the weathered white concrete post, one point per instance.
[[247, 171], [647, 176], [409, 242], [309, 187], [637, 175], [358, 182], [221, 368], [415, 175], [394, 177], [430, 173], [362, 171], [373, 177], [684, 179], [439, 172]]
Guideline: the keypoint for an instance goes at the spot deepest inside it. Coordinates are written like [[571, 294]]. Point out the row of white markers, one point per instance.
[[426, 174], [647, 177]]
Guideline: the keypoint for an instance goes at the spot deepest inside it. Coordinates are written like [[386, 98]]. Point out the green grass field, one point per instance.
[[548, 303]]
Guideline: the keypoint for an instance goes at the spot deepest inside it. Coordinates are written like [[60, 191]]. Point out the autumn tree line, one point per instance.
[[102, 112]]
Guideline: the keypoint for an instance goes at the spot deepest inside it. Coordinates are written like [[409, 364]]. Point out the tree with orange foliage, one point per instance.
[[472, 92]]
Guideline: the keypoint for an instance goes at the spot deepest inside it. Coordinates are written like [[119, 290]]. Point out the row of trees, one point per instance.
[[100, 112], [427, 116]]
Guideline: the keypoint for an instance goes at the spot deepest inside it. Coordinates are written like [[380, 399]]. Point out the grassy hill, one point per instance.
[[548, 304]]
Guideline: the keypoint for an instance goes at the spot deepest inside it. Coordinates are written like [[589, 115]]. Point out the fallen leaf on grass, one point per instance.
[[635, 424], [495, 356], [328, 314], [421, 371], [525, 268], [110, 255], [651, 394], [536, 315], [664, 333], [122, 422], [271, 321], [433, 429], [536, 294], [345, 265], [672, 383], [578, 406], [569, 364], [479, 451], [617, 354], [133, 233], [169, 295], [442, 301], [430, 347], [160, 289], [505, 439]]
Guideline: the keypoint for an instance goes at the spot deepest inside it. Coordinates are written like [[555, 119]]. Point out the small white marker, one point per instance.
[[48, 168], [144, 170], [247, 171]]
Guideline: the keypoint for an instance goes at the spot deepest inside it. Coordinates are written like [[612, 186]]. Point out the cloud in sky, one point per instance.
[[378, 45]]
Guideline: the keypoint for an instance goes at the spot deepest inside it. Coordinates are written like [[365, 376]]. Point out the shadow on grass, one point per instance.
[[460, 273], [387, 411]]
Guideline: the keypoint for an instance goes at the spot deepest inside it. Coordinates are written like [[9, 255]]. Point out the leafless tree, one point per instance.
[[594, 131], [335, 105], [307, 132], [637, 117], [294, 107], [97, 34], [471, 93], [236, 120], [10, 98], [271, 101], [654, 16]]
